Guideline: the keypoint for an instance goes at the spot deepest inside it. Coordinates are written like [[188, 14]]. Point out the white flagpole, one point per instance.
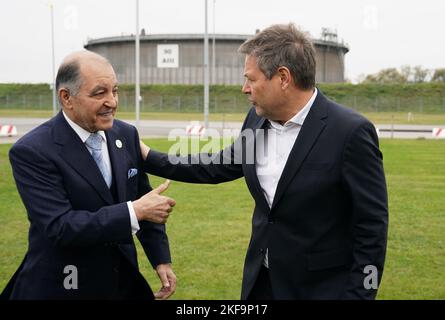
[[137, 80], [206, 72]]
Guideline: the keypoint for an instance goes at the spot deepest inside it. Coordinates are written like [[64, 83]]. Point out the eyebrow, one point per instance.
[[102, 87]]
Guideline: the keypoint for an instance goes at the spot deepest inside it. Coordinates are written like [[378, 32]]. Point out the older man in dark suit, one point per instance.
[[80, 178], [314, 168]]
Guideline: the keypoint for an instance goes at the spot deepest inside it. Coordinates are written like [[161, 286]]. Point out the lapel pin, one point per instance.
[[118, 143]]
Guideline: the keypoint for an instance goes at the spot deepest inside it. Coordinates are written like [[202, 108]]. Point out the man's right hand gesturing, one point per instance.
[[153, 206]]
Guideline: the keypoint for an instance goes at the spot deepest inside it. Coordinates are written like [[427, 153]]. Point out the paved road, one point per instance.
[[164, 128]]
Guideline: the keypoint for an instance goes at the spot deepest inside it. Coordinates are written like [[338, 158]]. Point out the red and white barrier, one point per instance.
[[8, 131], [195, 129], [439, 133]]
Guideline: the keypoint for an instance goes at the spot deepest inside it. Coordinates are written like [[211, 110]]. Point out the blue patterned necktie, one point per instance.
[[94, 141]]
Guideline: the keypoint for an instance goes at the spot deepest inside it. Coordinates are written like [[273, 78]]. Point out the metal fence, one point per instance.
[[419, 104], [235, 104], [217, 104]]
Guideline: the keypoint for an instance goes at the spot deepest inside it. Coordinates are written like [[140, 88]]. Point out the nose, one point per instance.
[[111, 100], [246, 88]]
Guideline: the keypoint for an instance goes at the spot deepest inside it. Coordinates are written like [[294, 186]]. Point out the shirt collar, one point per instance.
[[81, 132], [299, 118]]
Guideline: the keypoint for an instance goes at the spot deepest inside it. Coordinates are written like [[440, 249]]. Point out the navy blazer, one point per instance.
[[329, 216], [75, 219]]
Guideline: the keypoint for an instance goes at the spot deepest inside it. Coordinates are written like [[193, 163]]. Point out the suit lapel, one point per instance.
[[250, 169], [309, 133], [75, 153], [118, 162]]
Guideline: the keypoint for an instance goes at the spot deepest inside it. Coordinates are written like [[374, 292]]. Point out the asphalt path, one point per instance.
[[165, 128]]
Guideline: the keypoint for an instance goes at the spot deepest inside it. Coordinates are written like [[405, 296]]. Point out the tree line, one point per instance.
[[405, 74]]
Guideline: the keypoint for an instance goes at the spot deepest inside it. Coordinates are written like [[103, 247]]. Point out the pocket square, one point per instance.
[[132, 172]]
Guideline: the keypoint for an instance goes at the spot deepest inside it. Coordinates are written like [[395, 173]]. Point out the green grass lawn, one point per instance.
[[210, 227], [375, 117]]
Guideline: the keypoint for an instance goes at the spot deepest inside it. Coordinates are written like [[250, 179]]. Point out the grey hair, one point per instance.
[[284, 45], [68, 77]]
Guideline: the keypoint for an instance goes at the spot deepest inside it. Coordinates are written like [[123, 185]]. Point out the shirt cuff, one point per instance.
[[133, 219]]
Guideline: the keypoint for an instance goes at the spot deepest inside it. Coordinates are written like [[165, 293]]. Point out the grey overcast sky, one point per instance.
[[380, 33]]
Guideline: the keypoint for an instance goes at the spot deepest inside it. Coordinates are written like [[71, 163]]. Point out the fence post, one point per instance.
[[420, 104], [178, 100], [142, 99], [7, 101], [124, 102], [392, 126], [197, 104], [160, 103], [216, 103]]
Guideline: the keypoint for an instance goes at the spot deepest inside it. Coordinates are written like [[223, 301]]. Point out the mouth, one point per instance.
[[106, 115]]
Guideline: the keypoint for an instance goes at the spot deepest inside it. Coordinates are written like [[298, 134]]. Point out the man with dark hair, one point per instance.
[[81, 180], [319, 226]]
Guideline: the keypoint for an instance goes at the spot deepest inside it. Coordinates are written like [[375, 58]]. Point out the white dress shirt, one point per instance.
[[83, 135], [273, 149]]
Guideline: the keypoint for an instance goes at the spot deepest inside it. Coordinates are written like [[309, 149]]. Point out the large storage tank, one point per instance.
[[178, 58]]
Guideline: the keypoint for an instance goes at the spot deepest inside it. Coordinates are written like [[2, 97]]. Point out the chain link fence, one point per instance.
[[419, 104], [217, 104], [234, 104]]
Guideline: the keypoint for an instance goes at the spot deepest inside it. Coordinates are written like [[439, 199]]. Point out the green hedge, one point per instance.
[[423, 98], [335, 90]]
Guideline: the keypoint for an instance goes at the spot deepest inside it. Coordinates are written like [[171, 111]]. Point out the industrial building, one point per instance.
[[178, 58]]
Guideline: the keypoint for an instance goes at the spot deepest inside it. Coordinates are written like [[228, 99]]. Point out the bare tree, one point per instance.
[[407, 72], [439, 75], [386, 76], [420, 74]]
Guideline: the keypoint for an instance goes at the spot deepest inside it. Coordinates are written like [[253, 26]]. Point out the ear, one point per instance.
[[65, 98], [285, 77]]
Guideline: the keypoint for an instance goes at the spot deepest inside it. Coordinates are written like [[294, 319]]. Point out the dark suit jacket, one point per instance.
[[76, 220], [329, 217]]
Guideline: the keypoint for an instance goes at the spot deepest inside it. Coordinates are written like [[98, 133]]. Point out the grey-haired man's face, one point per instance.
[[264, 94], [94, 107]]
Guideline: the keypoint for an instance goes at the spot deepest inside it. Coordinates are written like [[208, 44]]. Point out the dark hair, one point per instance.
[[68, 76], [284, 45]]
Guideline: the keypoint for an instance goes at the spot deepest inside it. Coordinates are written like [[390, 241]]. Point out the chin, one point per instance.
[[259, 111], [105, 125]]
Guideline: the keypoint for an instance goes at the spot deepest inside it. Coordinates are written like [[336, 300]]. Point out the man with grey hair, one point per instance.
[[80, 178], [319, 227]]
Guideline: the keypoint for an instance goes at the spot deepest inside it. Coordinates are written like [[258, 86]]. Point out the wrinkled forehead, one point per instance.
[[97, 72], [250, 65]]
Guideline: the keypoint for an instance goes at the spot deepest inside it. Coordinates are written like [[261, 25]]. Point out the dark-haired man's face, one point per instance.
[[265, 95], [94, 107]]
